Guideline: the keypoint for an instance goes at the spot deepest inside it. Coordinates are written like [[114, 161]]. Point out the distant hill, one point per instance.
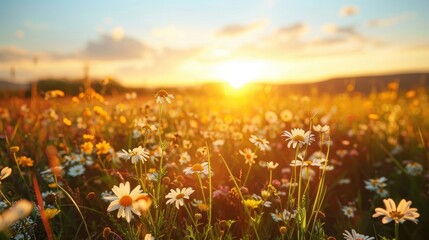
[[362, 84]]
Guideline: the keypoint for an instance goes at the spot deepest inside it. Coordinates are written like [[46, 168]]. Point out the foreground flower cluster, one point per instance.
[[172, 166]]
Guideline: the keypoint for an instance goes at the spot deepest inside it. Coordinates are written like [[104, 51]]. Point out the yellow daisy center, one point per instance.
[[197, 168], [396, 215], [126, 201], [298, 138], [180, 196], [162, 93]]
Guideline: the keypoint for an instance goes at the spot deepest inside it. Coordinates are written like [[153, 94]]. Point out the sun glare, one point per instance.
[[238, 73]]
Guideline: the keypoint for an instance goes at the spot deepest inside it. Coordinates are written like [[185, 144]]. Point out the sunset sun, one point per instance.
[[239, 73]]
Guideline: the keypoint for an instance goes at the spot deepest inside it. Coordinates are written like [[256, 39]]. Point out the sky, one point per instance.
[[188, 42]]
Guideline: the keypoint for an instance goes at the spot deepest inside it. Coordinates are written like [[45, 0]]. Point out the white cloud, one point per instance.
[[349, 11], [242, 29], [108, 48], [390, 21], [117, 33]]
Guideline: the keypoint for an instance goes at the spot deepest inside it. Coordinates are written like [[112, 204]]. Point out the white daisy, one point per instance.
[[76, 170], [321, 129], [355, 236], [137, 154], [200, 168], [272, 165], [177, 196], [248, 155], [124, 200], [162, 96], [298, 137], [184, 158], [261, 143]]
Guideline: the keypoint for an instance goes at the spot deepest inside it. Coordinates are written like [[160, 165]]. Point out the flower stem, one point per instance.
[[396, 231]]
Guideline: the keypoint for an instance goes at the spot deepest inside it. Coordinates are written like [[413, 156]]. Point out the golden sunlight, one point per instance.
[[238, 73]]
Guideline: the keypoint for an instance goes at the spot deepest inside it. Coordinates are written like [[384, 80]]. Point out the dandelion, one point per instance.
[[177, 196], [261, 143], [398, 214], [5, 172], [124, 200], [355, 236], [162, 96], [249, 156], [25, 161], [102, 147], [298, 137], [137, 154]]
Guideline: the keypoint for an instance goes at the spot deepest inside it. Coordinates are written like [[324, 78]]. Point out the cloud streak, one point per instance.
[[390, 21]]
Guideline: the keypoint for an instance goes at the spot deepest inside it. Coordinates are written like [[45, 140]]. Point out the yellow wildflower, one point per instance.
[[87, 147], [102, 147], [67, 122], [51, 212], [25, 161], [252, 203]]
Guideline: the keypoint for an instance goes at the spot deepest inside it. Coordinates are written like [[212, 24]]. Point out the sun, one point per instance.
[[238, 73]]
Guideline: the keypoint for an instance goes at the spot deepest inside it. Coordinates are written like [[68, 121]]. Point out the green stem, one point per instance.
[[396, 231], [241, 196], [201, 186], [77, 207]]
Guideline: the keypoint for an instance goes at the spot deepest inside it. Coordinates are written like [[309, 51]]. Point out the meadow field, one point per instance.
[[173, 164]]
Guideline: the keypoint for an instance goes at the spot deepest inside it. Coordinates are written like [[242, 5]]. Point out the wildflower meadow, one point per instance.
[[178, 164]]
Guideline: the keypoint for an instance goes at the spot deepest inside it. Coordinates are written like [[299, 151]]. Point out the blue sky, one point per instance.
[[187, 42]]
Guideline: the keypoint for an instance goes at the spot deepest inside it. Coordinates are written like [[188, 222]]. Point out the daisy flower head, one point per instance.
[[184, 158], [199, 168], [76, 170], [124, 200], [137, 154], [349, 211], [375, 183], [260, 143], [399, 213], [355, 236], [298, 137], [5, 172], [272, 165], [248, 155], [178, 196], [162, 96], [321, 129]]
